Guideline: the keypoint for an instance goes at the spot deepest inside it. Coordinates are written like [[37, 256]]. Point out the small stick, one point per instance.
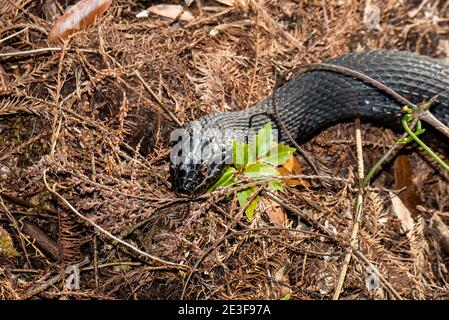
[[310, 177], [428, 117], [42, 239], [326, 17], [95, 261], [107, 233], [290, 207], [41, 50], [112, 264], [13, 35], [358, 212]]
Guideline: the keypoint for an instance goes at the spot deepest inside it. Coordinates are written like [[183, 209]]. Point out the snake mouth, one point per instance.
[[193, 179]]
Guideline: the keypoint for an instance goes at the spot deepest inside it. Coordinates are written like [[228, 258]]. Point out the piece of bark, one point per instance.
[[42, 239], [440, 232], [403, 179]]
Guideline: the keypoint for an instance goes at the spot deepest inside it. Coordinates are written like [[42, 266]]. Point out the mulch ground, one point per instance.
[[82, 142]]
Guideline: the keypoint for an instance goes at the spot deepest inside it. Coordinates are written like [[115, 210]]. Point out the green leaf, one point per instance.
[[286, 297], [238, 154], [242, 197], [406, 109], [251, 208], [242, 154], [263, 140], [226, 179], [259, 170], [275, 185], [278, 155], [251, 154]]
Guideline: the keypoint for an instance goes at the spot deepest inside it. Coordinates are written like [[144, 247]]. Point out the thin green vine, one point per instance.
[[410, 123], [414, 135]]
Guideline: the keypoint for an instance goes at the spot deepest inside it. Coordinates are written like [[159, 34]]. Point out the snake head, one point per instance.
[[198, 157]]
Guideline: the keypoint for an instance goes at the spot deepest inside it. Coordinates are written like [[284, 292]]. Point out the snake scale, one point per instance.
[[308, 104]]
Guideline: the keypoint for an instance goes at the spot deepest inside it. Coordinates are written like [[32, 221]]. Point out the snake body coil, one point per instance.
[[310, 103]]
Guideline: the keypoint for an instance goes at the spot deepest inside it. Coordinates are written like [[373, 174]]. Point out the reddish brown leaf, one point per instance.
[[78, 17]]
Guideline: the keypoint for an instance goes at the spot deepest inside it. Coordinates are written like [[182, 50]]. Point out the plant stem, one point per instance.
[[423, 145], [379, 163]]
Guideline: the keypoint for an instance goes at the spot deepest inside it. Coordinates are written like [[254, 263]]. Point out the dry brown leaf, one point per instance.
[[78, 17], [403, 179], [292, 167], [283, 282], [275, 212], [402, 213], [172, 11]]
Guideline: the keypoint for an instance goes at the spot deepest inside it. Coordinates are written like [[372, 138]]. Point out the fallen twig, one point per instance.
[[13, 35], [41, 50], [108, 234], [358, 212], [42, 239]]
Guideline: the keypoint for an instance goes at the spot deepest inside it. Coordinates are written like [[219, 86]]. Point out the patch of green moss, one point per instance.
[[7, 247]]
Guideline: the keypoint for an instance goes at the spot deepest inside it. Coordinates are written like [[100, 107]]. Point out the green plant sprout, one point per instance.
[[410, 136], [406, 119], [257, 161]]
